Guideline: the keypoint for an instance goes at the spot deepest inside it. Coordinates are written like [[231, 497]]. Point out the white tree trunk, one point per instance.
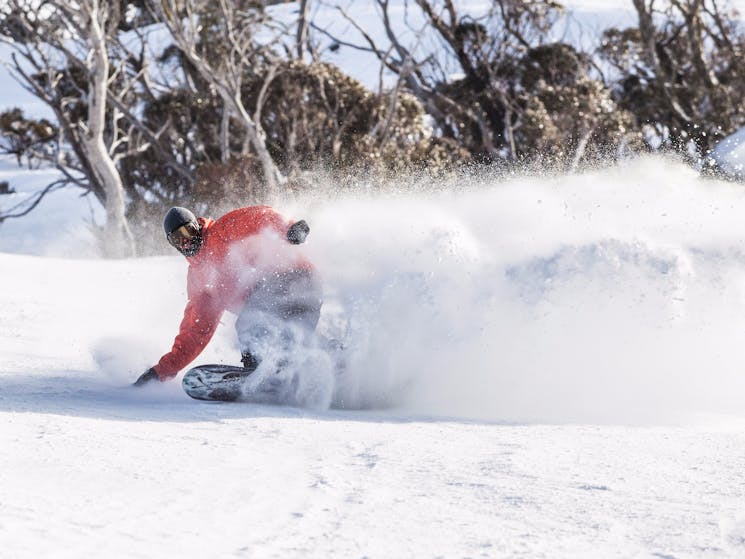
[[118, 236]]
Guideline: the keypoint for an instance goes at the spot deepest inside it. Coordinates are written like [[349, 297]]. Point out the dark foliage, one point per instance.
[[681, 72], [318, 118], [26, 139]]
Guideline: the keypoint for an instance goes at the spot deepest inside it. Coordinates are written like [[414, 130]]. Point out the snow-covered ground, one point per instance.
[[538, 367]]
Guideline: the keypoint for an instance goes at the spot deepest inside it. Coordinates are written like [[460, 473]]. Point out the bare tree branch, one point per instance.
[[225, 75], [31, 202]]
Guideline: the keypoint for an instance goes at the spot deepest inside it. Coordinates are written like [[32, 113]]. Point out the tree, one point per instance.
[[149, 112], [194, 24], [339, 127], [93, 16], [565, 114], [680, 71], [61, 55], [24, 138], [489, 85]]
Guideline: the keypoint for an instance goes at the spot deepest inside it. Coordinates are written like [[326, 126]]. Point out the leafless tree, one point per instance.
[[475, 109], [681, 70], [61, 55], [492, 81], [193, 24], [92, 16]]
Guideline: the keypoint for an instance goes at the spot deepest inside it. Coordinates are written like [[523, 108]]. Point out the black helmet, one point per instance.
[[183, 231], [176, 217]]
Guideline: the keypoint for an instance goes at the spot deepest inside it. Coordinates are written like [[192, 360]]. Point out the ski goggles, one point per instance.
[[183, 237]]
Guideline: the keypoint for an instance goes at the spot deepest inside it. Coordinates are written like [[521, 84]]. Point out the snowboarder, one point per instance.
[[245, 263]]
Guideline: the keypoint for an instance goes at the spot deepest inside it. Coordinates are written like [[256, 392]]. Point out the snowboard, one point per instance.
[[227, 383]]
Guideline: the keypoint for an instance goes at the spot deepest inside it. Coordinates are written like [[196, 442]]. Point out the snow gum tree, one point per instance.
[[496, 85], [340, 129], [62, 57], [93, 16], [680, 71], [224, 65]]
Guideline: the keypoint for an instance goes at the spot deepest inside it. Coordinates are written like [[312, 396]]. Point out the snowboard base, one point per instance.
[[227, 383], [215, 382]]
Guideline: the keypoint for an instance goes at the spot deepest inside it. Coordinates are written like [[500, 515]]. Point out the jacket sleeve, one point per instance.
[[200, 321]]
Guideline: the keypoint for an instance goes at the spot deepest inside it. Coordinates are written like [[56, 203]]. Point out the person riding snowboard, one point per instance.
[[246, 262]]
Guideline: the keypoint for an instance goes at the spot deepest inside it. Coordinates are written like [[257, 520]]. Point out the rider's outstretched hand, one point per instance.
[[148, 376]]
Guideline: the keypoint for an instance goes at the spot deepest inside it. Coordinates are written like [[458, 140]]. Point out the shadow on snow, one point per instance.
[[71, 393]]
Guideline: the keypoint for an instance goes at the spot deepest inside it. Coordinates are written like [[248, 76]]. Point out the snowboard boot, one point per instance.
[[250, 363]]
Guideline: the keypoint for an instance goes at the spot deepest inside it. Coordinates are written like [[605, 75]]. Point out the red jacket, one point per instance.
[[237, 251]]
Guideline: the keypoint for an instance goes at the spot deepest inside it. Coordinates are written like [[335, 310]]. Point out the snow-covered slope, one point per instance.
[[547, 367]]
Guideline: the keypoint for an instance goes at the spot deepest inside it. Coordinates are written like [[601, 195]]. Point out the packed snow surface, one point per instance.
[[536, 367]]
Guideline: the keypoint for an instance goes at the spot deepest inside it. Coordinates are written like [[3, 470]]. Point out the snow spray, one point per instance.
[[614, 295]]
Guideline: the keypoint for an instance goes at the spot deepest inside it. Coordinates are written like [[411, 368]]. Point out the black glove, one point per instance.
[[147, 377], [297, 232]]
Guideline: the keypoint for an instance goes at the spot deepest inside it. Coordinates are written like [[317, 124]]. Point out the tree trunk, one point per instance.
[[225, 134], [273, 177], [119, 241], [649, 42], [302, 28]]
